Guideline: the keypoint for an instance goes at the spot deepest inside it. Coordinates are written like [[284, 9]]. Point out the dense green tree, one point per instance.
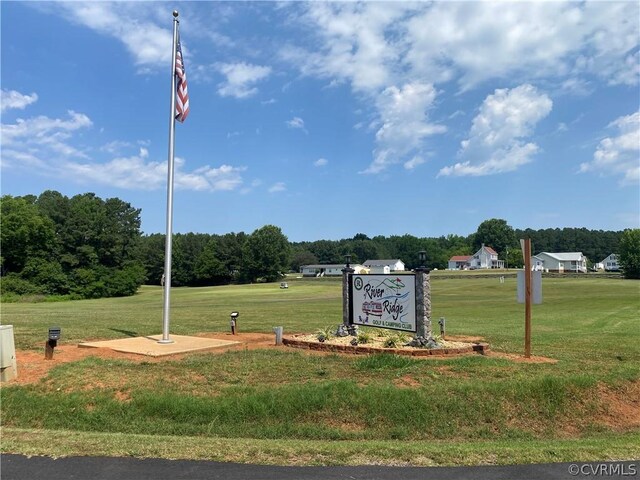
[[84, 245], [494, 233], [266, 254], [210, 268], [186, 250], [150, 253], [25, 233], [630, 253], [300, 258]]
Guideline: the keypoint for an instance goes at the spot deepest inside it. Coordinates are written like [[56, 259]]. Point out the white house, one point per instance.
[[330, 270], [560, 262], [486, 257], [459, 262], [610, 264], [384, 266]]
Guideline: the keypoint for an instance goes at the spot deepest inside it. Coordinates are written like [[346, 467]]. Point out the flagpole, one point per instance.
[[170, 168]]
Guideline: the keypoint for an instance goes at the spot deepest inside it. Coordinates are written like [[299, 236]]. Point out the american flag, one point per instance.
[[182, 95]]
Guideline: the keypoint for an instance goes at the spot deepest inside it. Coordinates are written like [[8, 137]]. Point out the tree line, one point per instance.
[[87, 247]]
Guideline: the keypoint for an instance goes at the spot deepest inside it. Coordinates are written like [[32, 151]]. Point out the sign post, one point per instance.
[[527, 297]]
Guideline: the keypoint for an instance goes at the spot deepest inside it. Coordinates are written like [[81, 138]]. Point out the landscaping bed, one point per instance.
[[376, 344]]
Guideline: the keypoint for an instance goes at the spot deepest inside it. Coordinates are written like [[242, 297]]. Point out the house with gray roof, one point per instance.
[[560, 262]]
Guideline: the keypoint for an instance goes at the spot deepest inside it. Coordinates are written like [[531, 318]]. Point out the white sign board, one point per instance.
[[384, 301], [536, 287]]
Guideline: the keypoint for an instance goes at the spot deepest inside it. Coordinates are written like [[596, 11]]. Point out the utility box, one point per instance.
[[8, 364]]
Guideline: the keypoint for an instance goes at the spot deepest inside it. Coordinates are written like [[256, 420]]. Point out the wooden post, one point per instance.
[[527, 297]]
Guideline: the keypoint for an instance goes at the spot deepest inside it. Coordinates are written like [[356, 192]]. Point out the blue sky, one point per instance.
[[330, 119]]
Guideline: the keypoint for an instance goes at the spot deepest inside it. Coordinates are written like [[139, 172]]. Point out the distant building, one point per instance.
[[560, 262], [610, 264], [329, 270], [384, 266], [486, 257], [459, 262]]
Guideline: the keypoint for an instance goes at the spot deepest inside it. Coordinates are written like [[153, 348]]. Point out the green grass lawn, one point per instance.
[[340, 409]]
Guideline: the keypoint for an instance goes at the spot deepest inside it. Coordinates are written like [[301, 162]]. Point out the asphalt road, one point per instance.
[[19, 467]]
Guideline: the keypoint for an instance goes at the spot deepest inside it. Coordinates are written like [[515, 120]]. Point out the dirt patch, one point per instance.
[[521, 358], [32, 365], [620, 407], [406, 381]]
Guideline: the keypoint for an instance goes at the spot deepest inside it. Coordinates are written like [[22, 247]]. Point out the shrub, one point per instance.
[[13, 284]]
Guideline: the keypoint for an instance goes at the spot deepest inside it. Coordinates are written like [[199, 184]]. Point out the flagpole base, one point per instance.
[[167, 341]]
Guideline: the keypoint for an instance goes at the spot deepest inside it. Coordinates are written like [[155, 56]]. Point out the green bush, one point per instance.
[[13, 284]]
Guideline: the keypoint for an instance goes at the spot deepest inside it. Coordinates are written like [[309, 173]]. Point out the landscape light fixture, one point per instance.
[[52, 342], [347, 259], [423, 258], [234, 317]]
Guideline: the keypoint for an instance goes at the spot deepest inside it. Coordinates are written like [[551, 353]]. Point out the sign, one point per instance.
[[384, 301], [536, 287]]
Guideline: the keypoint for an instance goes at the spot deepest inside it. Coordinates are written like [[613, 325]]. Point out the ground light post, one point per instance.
[[346, 273], [423, 298]]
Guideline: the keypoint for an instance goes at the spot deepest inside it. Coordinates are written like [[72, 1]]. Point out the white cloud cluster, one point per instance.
[[241, 79], [277, 187], [296, 123], [404, 124], [376, 46], [40, 140], [620, 154], [321, 162], [496, 140], [46, 146], [10, 99], [137, 172], [147, 42]]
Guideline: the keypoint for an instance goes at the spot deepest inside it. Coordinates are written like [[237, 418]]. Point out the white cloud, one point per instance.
[[413, 163], [477, 41], [619, 155], [374, 45], [241, 78], [137, 172], [357, 45], [495, 143], [133, 24], [45, 146], [43, 134], [377, 46], [11, 99], [277, 187], [298, 123], [321, 162], [403, 123]]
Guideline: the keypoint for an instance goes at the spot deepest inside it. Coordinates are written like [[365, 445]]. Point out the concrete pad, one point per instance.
[[149, 345]]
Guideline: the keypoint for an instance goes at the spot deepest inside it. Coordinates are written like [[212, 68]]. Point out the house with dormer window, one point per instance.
[[486, 257]]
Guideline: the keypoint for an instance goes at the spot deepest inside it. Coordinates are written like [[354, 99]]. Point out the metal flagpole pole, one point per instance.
[[170, 168]]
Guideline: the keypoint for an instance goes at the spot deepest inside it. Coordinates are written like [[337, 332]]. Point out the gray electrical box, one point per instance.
[[8, 364]]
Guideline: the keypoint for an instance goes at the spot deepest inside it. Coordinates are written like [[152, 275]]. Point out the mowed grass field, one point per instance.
[[291, 407]]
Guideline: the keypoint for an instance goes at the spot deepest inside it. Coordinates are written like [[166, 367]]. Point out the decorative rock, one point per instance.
[[422, 342], [342, 331], [353, 330], [354, 342]]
